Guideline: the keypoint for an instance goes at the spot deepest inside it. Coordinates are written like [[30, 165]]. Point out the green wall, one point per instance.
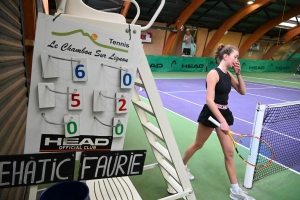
[[202, 64], [294, 65]]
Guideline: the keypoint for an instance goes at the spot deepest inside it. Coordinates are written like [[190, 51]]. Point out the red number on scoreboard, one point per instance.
[[123, 101], [77, 101]]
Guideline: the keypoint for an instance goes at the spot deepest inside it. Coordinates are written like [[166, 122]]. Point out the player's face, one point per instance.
[[233, 58], [188, 32]]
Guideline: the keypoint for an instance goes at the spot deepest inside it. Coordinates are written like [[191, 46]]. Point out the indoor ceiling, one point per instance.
[[211, 14]]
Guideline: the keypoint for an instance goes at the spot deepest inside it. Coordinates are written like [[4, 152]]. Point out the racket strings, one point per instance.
[[251, 155]]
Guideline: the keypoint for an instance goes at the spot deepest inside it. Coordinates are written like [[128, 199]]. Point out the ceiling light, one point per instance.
[[250, 2], [287, 24], [293, 19], [182, 28]]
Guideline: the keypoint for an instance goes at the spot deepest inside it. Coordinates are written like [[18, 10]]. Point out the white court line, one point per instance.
[[249, 82], [174, 112], [283, 134], [260, 88], [214, 131], [271, 79], [199, 105], [186, 91], [263, 96], [181, 91], [233, 116], [181, 98], [277, 87]]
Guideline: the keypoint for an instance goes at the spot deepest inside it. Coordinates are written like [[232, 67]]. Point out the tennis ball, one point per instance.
[[94, 36]]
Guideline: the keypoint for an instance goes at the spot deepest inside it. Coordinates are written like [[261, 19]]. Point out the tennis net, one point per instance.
[[280, 127]]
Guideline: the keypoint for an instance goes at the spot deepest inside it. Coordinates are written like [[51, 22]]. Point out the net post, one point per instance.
[[256, 131]]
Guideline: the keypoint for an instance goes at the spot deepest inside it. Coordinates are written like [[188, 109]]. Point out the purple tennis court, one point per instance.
[[186, 97]]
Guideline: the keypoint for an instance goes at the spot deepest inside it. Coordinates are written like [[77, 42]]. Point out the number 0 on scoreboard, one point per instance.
[[127, 79]]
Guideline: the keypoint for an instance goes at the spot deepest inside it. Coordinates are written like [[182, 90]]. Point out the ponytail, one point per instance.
[[221, 50]]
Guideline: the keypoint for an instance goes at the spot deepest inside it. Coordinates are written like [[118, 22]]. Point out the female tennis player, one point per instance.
[[218, 85]]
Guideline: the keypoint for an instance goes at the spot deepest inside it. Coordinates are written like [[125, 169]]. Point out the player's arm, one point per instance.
[[211, 80], [238, 84], [185, 38]]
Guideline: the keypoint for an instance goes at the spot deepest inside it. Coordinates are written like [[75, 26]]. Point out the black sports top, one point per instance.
[[223, 87]]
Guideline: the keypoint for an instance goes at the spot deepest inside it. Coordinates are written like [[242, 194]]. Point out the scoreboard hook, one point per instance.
[[53, 123], [122, 96], [75, 90], [112, 126]]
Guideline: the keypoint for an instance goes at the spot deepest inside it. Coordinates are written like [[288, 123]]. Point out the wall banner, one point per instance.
[[177, 63], [204, 64]]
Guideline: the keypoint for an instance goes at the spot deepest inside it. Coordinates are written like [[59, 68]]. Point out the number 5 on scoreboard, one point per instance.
[[75, 99], [121, 103], [79, 69], [72, 127]]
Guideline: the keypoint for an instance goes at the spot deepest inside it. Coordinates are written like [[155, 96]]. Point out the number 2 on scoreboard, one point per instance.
[[121, 102], [122, 107]]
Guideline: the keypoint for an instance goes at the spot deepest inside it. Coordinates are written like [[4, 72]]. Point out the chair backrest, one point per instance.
[[79, 9]]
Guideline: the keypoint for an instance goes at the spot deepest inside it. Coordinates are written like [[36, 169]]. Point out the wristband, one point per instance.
[[238, 74]]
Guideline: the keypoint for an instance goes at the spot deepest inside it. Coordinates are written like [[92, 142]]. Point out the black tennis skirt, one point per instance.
[[206, 113]]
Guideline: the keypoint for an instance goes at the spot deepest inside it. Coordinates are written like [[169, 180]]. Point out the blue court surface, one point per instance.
[[186, 97]]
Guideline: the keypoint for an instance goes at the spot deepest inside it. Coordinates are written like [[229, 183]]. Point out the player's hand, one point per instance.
[[237, 67], [224, 127]]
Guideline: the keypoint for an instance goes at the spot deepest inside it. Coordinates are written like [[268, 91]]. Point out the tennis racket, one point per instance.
[[259, 155]]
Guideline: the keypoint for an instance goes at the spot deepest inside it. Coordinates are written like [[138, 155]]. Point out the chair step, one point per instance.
[[120, 188], [146, 107], [153, 129], [139, 83], [169, 168], [162, 150], [174, 184]]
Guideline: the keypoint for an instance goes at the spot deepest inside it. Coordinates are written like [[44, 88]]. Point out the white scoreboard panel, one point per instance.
[[82, 80]]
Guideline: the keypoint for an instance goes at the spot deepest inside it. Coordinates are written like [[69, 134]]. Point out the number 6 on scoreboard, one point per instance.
[[72, 127], [79, 69], [121, 103]]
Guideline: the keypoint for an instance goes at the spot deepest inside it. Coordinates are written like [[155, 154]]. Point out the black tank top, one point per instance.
[[223, 88]]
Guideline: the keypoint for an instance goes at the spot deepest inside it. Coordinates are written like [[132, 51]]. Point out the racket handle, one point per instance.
[[214, 121]]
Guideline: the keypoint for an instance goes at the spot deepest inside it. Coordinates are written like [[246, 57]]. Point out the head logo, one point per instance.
[[59, 143], [173, 63], [192, 66], [282, 67], [158, 65], [257, 67]]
